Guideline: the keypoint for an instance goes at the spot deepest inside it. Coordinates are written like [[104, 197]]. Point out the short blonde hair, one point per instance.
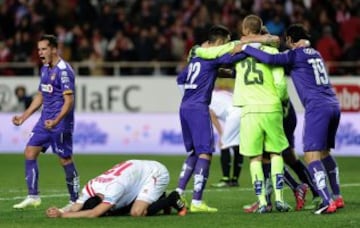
[[253, 23]]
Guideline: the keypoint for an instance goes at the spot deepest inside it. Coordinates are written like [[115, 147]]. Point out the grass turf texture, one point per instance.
[[229, 201]]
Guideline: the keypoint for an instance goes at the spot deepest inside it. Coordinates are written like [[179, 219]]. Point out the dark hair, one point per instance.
[[91, 203], [218, 32], [20, 87], [297, 32], [51, 38]]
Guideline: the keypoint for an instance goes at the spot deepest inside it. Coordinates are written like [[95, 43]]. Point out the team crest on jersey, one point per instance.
[[52, 77]]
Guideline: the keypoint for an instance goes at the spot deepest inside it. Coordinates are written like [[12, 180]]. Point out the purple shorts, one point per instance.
[[197, 129], [60, 142], [320, 126]]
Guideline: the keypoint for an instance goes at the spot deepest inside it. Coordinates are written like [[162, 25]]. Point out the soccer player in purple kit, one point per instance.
[[55, 125], [322, 112], [197, 81]]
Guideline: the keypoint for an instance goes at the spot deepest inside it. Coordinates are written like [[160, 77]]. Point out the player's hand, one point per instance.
[[17, 120], [50, 124], [205, 44], [237, 48], [53, 212]]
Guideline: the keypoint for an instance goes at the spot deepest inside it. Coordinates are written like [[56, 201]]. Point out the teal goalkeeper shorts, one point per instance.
[[262, 132]]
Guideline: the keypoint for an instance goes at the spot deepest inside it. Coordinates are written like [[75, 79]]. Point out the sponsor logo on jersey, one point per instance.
[[48, 88]]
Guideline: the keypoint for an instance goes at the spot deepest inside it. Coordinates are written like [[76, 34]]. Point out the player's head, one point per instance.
[[218, 35], [294, 33], [91, 202], [47, 48], [252, 24]]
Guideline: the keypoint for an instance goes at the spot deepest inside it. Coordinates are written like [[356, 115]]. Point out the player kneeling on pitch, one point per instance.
[[135, 187]]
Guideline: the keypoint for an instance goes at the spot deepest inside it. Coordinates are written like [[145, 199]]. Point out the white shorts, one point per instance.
[[155, 185], [231, 132]]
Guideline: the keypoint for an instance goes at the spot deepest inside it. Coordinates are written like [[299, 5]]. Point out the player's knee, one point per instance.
[[65, 160], [31, 152]]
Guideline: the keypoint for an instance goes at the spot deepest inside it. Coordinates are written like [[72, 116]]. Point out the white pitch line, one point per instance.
[[188, 191]]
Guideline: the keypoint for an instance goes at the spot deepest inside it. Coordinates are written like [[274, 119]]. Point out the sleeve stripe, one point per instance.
[[68, 92]]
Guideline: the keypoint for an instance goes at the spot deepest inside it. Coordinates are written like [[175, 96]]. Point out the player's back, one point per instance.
[[254, 85], [310, 78], [198, 79], [124, 180]]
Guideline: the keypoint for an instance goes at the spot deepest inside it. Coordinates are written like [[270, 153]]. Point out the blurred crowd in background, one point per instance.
[[97, 31]]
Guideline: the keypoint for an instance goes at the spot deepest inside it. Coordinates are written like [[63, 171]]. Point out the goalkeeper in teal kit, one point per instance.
[[260, 91]]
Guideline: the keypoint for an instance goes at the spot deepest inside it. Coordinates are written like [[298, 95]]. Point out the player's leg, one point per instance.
[[299, 168], [189, 163], [289, 156], [225, 167], [299, 189], [333, 175], [251, 138], [230, 140], [173, 200], [237, 165], [315, 141], [62, 146], [203, 137], [275, 142], [37, 143], [150, 201], [329, 161], [266, 166]]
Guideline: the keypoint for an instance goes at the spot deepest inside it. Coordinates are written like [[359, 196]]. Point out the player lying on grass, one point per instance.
[[134, 187]]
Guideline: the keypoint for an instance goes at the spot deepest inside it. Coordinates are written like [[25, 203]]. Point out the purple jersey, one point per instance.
[[307, 71], [199, 77], [54, 83]]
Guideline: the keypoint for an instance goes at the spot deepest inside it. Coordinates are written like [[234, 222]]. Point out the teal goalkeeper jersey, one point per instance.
[[259, 87]]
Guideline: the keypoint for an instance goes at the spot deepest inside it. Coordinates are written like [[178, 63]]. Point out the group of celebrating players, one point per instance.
[[259, 124]]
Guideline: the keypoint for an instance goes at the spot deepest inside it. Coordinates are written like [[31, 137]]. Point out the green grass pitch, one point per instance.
[[228, 201]]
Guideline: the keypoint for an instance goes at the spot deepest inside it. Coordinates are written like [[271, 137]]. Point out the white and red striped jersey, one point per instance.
[[124, 182]]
